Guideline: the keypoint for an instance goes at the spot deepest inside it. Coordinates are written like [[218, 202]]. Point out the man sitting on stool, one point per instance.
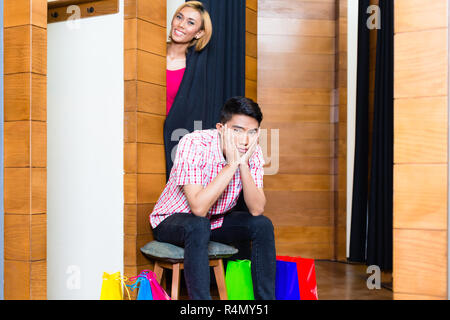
[[210, 170]]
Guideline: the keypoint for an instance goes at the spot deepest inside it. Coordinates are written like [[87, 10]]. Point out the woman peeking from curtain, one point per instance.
[[191, 30], [204, 68], [191, 27]]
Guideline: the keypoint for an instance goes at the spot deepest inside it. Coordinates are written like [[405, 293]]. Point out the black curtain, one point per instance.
[[379, 238], [361, 163], [211, 76], [372, 222]]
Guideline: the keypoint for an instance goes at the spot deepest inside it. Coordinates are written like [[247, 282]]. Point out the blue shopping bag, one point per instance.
[[143, 285], [286, 284]]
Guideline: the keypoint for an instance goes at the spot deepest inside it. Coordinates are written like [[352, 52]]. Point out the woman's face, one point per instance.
[[186, 26]]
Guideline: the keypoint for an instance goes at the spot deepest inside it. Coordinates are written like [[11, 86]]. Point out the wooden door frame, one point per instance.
[[25, 143]]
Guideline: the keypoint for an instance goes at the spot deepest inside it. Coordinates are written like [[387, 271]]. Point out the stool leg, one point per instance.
[[175, 281], [158, 270], [220, 279]]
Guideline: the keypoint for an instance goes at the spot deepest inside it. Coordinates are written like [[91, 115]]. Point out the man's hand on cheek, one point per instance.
[[231, 151], [253, 143]]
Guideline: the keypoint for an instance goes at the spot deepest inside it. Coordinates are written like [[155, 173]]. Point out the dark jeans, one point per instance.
[[238, 229]]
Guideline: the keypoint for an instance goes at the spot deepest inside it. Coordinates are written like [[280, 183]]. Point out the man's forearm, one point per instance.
[[254, 197], [203, 199]]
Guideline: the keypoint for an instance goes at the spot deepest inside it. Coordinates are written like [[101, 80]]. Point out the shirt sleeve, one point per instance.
[[188, 161], [256, 164]]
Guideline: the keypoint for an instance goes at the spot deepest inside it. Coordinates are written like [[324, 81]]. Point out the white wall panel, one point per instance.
[[352, 63], [85, 112]]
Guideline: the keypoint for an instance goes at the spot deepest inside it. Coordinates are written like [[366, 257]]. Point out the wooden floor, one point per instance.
[[337, 281], [342, 281]]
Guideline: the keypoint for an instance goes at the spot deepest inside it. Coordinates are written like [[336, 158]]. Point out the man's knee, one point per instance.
[[199, 227], [262, 225]]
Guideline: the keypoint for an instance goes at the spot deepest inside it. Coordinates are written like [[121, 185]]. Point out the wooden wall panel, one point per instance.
[[318, 44], [427, 77], [297, 55], [420, 262], [145, 110], [30, 277], [25, 141], [420, 149], [339, 118], [415, 15], [27, 52], [251, 50], [23, 90], [145, 94], [424, 144], [416, 206], [406, 296]]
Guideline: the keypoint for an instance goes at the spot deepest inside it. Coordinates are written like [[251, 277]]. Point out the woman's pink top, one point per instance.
[[173, 79]]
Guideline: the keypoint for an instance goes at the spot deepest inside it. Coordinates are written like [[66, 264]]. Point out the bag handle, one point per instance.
[[122, 279], [148, 274], [139, 278], [134, 285]]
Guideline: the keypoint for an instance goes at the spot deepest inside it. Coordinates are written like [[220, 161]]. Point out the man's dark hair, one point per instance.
[[240, 105]]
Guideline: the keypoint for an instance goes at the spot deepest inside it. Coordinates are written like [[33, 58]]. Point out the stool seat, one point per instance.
[[169, 256], [168, 252]]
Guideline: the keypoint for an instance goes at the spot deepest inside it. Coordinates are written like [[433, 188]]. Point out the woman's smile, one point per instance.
[[178, 32]]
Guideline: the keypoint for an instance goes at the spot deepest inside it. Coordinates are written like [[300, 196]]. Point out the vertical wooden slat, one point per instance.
[[251, 50], [25, 140], [297, 67], [420, 149], [145, 105], [340, 135]]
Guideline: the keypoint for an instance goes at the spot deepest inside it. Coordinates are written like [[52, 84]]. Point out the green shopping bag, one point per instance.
[[238, 279]]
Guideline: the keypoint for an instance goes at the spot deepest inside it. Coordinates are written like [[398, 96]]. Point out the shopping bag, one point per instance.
[[307, 279], [306, 276], [158, 293], [238, 280], [286, 281], [143, 285], [112, 286]]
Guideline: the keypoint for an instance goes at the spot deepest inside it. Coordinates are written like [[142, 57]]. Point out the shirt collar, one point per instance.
[[217, 150]]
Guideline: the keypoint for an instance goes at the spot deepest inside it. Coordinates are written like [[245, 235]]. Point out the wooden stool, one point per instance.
[[176, 268], [169, 256]]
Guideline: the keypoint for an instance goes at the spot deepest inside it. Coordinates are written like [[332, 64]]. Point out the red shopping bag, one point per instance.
[[306, 276]]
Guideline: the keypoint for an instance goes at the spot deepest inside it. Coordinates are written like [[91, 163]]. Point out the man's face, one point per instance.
[[245, 130]]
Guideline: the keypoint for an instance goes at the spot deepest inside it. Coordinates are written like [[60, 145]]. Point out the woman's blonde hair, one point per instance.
[[206, 24]]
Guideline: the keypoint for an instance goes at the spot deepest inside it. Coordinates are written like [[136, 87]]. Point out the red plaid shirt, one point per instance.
[[198, 160]]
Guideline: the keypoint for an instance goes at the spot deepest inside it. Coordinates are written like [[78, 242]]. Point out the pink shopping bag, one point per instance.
[[158, 292]]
